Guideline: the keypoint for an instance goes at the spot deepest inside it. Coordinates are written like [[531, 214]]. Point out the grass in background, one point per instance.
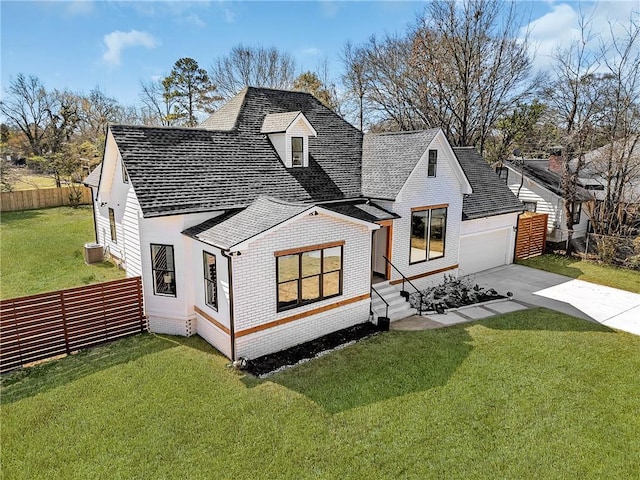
[[533, 394], [587, 270], [43, 250]]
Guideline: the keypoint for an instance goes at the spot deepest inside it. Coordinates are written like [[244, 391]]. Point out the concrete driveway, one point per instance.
[[614, 308]]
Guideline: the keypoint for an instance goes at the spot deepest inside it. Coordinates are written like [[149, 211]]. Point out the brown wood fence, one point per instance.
[[532, 235], [43, 326], [41, 198]]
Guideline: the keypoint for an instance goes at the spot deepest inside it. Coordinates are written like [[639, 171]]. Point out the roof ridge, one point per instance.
[[404, 132]]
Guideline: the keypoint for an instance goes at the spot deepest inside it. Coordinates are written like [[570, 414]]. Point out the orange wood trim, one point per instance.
[[212, 320], [385, 223], [430, 207], [433, 272], [298, 316], [320, 246], [389, 250]]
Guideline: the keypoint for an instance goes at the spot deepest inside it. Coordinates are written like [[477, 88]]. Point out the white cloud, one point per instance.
[[311, 51], [195, 20], [117, 41], [79, 7], [329, 8]]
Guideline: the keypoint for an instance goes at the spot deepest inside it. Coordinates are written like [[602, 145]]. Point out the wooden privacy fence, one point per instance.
[[43, 326], [42, 198], [532, 235]]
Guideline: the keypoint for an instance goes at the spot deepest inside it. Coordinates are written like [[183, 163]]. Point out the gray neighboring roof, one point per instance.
[[389, 158], [367, 211], [278, 122], [93, 179], [537, 169], [189, 170], [230, 229], [226, 116], [490, 196]]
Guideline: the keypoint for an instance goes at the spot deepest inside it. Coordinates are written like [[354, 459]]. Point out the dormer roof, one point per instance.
[[280, 122]]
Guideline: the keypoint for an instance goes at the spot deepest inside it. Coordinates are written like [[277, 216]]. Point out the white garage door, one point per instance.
[[483, 251]]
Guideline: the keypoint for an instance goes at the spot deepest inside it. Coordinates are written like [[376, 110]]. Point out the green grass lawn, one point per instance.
[[43, 250], [587, 270], [534, 394]]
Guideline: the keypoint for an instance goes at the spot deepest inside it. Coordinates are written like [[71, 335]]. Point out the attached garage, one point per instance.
[[481, 251]]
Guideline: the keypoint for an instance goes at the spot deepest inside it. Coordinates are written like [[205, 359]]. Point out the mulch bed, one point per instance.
[[266, 364]]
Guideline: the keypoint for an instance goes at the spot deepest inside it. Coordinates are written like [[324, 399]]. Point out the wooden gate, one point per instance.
[[532, 235], [46, 325]]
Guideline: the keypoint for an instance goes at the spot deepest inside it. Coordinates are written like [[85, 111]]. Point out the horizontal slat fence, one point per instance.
[[532, 235], [41, 198], [42, 326]]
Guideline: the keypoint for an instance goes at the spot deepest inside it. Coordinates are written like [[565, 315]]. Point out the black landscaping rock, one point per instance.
[[268, 363]]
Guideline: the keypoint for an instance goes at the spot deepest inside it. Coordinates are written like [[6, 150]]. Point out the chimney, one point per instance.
[[555, 161]]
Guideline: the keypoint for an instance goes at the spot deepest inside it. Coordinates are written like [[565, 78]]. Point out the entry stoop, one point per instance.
[[399, 307]]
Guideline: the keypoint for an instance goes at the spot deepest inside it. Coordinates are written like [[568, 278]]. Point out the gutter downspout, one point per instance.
[[232, 329]]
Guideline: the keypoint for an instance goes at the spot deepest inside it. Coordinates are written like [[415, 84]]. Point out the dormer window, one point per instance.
[[289, 133], [297, 151]]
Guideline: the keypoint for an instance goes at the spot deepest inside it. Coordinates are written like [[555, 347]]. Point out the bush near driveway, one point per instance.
[[43, 250], [533, 394]]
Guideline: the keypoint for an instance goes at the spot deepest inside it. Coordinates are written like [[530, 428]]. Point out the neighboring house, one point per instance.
[[266, 226], [541, 191]]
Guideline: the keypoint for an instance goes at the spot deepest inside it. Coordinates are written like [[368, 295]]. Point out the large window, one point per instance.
[[308, 276], [428, 233], [297, 150], [112, 225], [163, 270], [210, 281], [433, 163]]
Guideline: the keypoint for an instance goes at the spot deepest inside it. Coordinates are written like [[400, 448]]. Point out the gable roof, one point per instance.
[[490, 196], [389, 158], [226, 116], [93, 179], [189, 170], [537, 169], [232, 229]]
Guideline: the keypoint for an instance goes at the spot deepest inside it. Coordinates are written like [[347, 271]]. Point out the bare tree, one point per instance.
[[27, 107], [252, 66], [354, 78], [156, 105]]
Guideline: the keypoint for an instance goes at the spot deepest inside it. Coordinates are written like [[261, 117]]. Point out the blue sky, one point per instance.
[[114, 45]]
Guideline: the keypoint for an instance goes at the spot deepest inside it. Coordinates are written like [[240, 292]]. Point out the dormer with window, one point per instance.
[[289, 134]]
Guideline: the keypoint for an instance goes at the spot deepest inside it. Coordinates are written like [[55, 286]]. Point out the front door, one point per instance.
[[381, 248]]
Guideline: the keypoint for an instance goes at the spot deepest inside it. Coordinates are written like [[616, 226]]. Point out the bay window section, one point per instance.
[[428, 234], [308, 276]]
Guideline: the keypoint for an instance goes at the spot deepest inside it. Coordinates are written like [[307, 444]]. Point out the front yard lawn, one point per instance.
[[587, 270], [43, 250], [534, 394]]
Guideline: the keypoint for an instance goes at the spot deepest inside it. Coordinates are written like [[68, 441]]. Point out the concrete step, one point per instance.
[[399, 307]]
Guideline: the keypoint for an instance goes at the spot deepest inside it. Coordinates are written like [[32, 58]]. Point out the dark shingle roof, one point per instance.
[[367, 211], [187, 170], [232, 228], [389, 158], [538, 170], [490, 196]]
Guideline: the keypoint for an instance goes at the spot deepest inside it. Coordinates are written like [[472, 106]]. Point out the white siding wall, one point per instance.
[[421, 190], [207, 330], [254, 283], [172, 315], [131, 230], [548, 203]]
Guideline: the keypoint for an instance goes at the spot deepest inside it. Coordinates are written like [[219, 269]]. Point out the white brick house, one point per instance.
[[266, 226]]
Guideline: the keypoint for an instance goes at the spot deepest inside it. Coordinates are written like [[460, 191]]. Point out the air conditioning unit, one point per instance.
[[93, 253]]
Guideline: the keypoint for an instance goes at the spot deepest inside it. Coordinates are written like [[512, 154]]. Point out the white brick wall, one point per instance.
[[255, 289], [172, 326], [420, 191]]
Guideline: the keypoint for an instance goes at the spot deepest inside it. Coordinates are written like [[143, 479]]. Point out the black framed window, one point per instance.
[[112, 225], [210, 280], [577, 210], [433, 163], [503, 173], [163, 270], [297, 151], [530, 206], [428, 234], [125, 175], [308, 276]]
